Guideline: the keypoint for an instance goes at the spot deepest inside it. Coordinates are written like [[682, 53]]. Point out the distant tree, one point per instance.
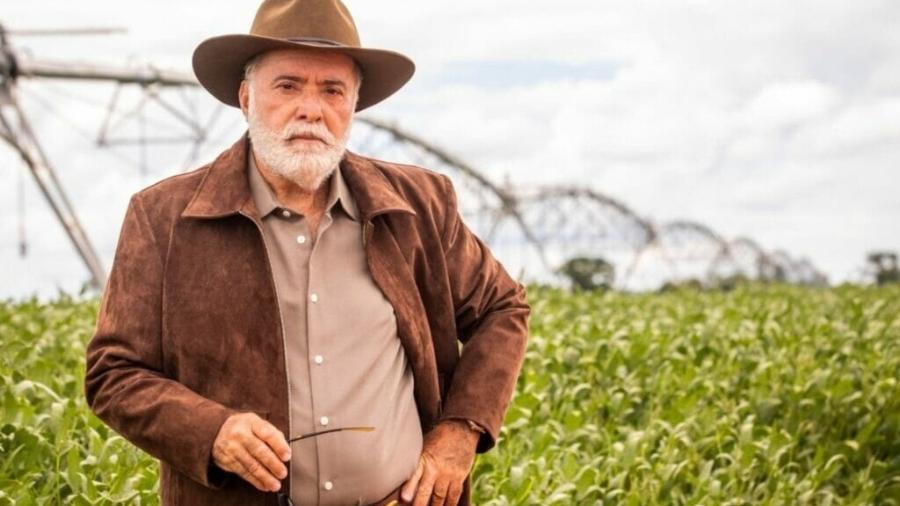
[[728, 283], [720, 283], [884, 263], [589, 273], [772, 272], [685, 284]]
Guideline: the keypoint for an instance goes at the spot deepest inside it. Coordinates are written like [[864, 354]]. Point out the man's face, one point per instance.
[[299, 104]]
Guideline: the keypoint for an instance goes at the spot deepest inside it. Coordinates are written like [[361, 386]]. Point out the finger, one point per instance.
[[261, 452], [273, 437], [255, 473], [246, 475], [426, 486], [409, 488], [439, 493], [256, 469], [453, 494]]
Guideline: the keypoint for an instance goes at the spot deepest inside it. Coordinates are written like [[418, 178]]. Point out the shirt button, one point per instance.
[[323, 420], [314, 297], [286, 213], [318, 359], [328, 485], [301, 239]]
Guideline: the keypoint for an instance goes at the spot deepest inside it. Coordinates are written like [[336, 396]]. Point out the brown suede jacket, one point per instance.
[[189, 330]]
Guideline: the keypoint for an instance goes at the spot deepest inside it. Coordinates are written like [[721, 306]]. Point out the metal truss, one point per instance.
[[540, 228], [532, 229], [16, 130]]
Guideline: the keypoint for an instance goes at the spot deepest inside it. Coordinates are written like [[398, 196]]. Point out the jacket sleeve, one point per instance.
[[125, 385], [492, 322]]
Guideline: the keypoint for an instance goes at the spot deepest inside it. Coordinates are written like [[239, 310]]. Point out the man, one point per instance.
[[283, 324]]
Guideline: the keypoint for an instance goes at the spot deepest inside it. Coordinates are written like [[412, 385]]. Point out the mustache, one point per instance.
[[316, 131]]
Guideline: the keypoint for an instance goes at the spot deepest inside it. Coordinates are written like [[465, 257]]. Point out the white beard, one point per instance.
[[308, 166]]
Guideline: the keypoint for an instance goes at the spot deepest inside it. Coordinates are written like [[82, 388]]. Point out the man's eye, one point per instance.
[[334, 91], [286, 86]]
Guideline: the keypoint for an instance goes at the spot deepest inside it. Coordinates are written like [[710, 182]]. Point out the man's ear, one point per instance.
[[244, 96]]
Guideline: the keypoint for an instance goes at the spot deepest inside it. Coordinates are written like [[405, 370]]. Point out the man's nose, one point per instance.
[[308, 108]]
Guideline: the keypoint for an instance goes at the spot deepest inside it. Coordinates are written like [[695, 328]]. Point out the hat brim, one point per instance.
[[219, 66]]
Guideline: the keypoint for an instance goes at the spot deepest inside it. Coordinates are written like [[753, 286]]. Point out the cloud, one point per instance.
[[786, 104], [771, 119], [858, 127]]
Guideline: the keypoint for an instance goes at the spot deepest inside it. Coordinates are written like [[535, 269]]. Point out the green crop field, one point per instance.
[[766, 394]]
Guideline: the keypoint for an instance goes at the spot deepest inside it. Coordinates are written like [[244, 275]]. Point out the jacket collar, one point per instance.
[[225, 189]]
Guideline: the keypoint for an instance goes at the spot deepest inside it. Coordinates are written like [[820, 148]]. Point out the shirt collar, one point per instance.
[[266, 201]]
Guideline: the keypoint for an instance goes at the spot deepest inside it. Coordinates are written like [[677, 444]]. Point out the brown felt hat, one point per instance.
[[279, 24]]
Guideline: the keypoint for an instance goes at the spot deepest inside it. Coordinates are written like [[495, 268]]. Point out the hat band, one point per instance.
[[315, 40]]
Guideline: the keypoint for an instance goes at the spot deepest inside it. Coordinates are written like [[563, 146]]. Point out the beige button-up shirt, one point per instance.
[[346, 366]]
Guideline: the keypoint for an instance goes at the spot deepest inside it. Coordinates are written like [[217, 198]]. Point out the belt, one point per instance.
[[392, 499]]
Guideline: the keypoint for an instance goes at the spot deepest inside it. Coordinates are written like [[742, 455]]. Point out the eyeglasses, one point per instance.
[[285, 500], [319, 433]]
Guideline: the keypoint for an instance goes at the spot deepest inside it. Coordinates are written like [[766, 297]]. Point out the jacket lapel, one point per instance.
[[225, 187], [393, 274]]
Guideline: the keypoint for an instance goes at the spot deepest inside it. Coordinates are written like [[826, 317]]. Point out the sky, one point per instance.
[[777, 120]]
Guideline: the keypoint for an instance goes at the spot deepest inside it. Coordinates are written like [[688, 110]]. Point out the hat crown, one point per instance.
[[325, 25], [328, 20]]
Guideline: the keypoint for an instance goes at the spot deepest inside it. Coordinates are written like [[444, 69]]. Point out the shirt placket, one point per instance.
[[318, 359], [292, 236]]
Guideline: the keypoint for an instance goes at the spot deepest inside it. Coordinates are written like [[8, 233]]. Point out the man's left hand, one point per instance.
[[448, 452]]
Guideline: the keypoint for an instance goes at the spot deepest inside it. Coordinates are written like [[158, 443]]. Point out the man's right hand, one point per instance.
[[254, 449]]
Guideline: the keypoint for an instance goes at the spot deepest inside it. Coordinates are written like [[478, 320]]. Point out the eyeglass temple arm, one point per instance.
[[319, 433]]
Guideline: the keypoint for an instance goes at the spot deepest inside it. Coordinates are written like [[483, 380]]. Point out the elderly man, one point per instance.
[[283, 325]]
